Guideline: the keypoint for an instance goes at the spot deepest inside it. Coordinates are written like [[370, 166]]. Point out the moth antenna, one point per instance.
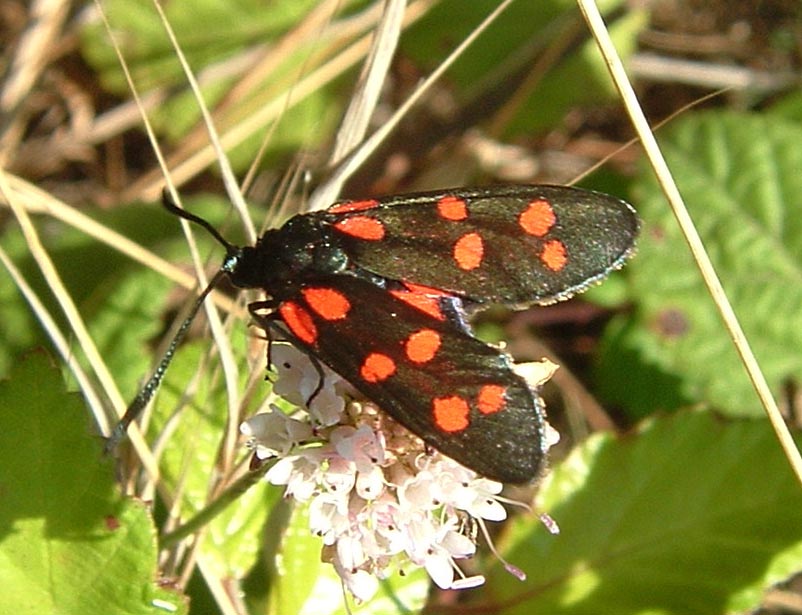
[[171, 206], [150, 387]]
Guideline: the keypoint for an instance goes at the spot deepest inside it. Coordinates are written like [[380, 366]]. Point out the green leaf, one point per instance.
[[627, 375], [216, 36], [69, 543], [191, 407], [739, 174], [691, 515], [124, 306], [503, 56], [233, 539], [208, 31], [121, 301], [789, 107], [579, 79], [298, 566], [451, 21]]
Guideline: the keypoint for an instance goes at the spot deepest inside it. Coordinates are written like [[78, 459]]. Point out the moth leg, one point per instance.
[[264, 315], [321, 377]]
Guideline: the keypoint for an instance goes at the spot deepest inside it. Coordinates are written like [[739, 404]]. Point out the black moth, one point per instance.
[[378, 291]]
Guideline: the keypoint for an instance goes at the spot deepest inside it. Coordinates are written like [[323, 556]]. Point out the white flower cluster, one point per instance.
[[377, 497]]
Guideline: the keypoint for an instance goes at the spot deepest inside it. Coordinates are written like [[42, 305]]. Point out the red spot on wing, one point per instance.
[[329, 303], [426, 290], [422, 298], [538, 218], [451, 413], [491, 398], [422, 345], [469, 251], [299, 322], [361, 227], [349, 206], [377, 367], [554, 255], [452, 208]]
